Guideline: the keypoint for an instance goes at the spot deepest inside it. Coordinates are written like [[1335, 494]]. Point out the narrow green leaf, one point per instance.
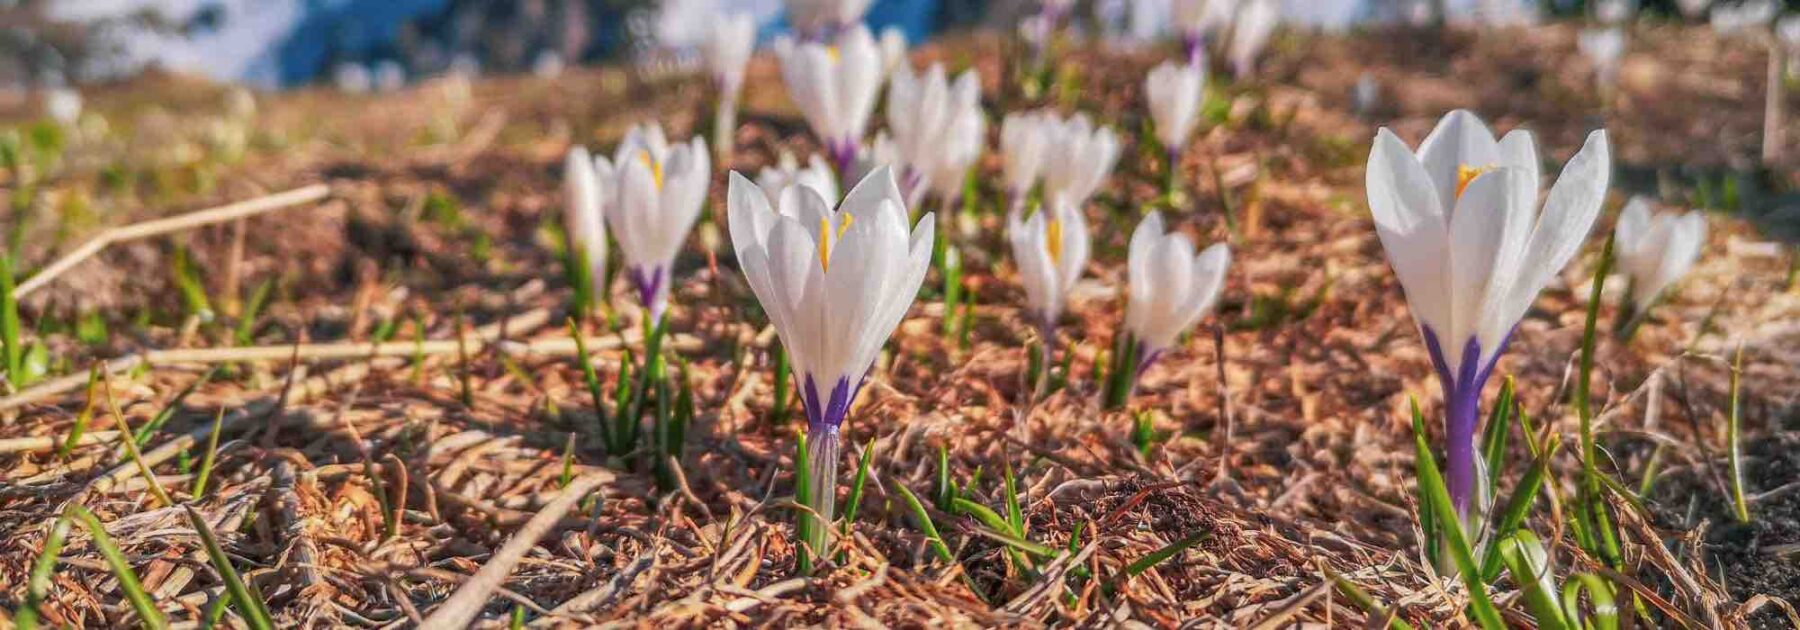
[[803, 522], [1517, 508], [87, 412], [10, 329], [1740, 507], [1600, 601], [1020, 544], [946, 488], [924, 521], [1168, 551], [249, 603], [1363, 600], [1525, 557], [854, 501], [986, 515], [1493, 442], [1014, 514], [143, 434], [147, 613], [1483, 607], [37, 587], [246, 328], [212, 454]]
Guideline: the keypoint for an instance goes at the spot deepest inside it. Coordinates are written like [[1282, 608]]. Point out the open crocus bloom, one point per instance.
[[1174, 92], [582, 223], [1255, 23], [660, 189], [1656, 249], [835, 284], [1078, 160], [835, 87], [936, 125], [1171, 287], [1461, 227], [1025, 139], [787, 172], [727, 48], [1051, 249]]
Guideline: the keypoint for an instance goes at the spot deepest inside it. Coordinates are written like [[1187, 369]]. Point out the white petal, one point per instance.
[[1569, 213], [1412, 227], [1459, 140]]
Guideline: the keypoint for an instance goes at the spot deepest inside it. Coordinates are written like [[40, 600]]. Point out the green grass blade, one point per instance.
[[1740, 507], [1367, 603], [924, 520], [592, 380], [1168, 551], [10, 329], [1014, 514], [985, 514], [147, 613], [1525, 557], [854, 501], [37, 587], [249, 603], [142, 436], [87, 413], [1517, 508], [246, 328], [1020, 544], [1600, 598], [212, 454], [1433, 481], [946, 488], [778, 411], [803, 522], [1493, 442]]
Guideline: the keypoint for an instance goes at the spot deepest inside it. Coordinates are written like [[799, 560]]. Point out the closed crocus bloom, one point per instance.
[[1196, 20], [1025, 139], [1080, 158], [1171, 287], [1604, 48], [727, 49], [835, 87], [787, 172], [835, 284], [959, 151], [1051, 249], [660, 189], [1656, 249], [1174, 92], [1255, 23], [820, 19], [1462, 230], [934, 124], [582, 212]]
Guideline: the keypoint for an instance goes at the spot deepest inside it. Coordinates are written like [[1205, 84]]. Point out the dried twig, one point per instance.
[[467, 601]]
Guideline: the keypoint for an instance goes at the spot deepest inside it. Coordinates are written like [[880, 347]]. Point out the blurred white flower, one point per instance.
[[1748, 15], [1692, 8], [1171, 287], [787, 172], [1256, 22], [1079, 159], [1174, 92], [727, 48], [1787, 30], [389, 76], [893, 49], [936, 125], [547, 65], [821, 19], [1613, 12], [1460, 223], [1604, 47], [1025, 141], [352, 78], [1656, 249], [63, 105], [1051, 249], [1366, 96], [1199, 20], [835, 87], [583, 223], [658, 191]]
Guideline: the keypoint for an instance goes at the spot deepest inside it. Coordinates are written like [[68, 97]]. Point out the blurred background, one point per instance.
[[273, 44]]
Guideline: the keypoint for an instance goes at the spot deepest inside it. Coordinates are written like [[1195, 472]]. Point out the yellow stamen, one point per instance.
[[656, 171], [832, 52], [825, 237], [1466, 175], [1053, 234]]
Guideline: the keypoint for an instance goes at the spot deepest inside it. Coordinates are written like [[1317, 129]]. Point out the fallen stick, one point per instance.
[[157, 227], [468, 600]]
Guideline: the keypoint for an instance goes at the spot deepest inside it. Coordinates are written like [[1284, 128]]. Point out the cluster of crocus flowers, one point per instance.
[[1072, 156], [1654, 249], [936, 127], [835, 283], [1174, 92], [835, 87], [655, 191], [1050, 249], [584, 227], [729, 42], [786, 171], [1460, 223]]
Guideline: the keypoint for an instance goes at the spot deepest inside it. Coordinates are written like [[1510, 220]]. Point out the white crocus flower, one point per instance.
[[730, 41], [658, 190], [1656, 249], [1197, 20], [1693, 8], [1025, 142], [1171, 287], [1612, 12], [1255, 23], [835, 284], [1749, 15], [936, 126], [1079, 159], [787, 172], [1604, 47], [63, 105], [818, 20], [835, 87], [1462, 230], [893, 49], [1174, 92], [582, 216], [1051, 249]]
